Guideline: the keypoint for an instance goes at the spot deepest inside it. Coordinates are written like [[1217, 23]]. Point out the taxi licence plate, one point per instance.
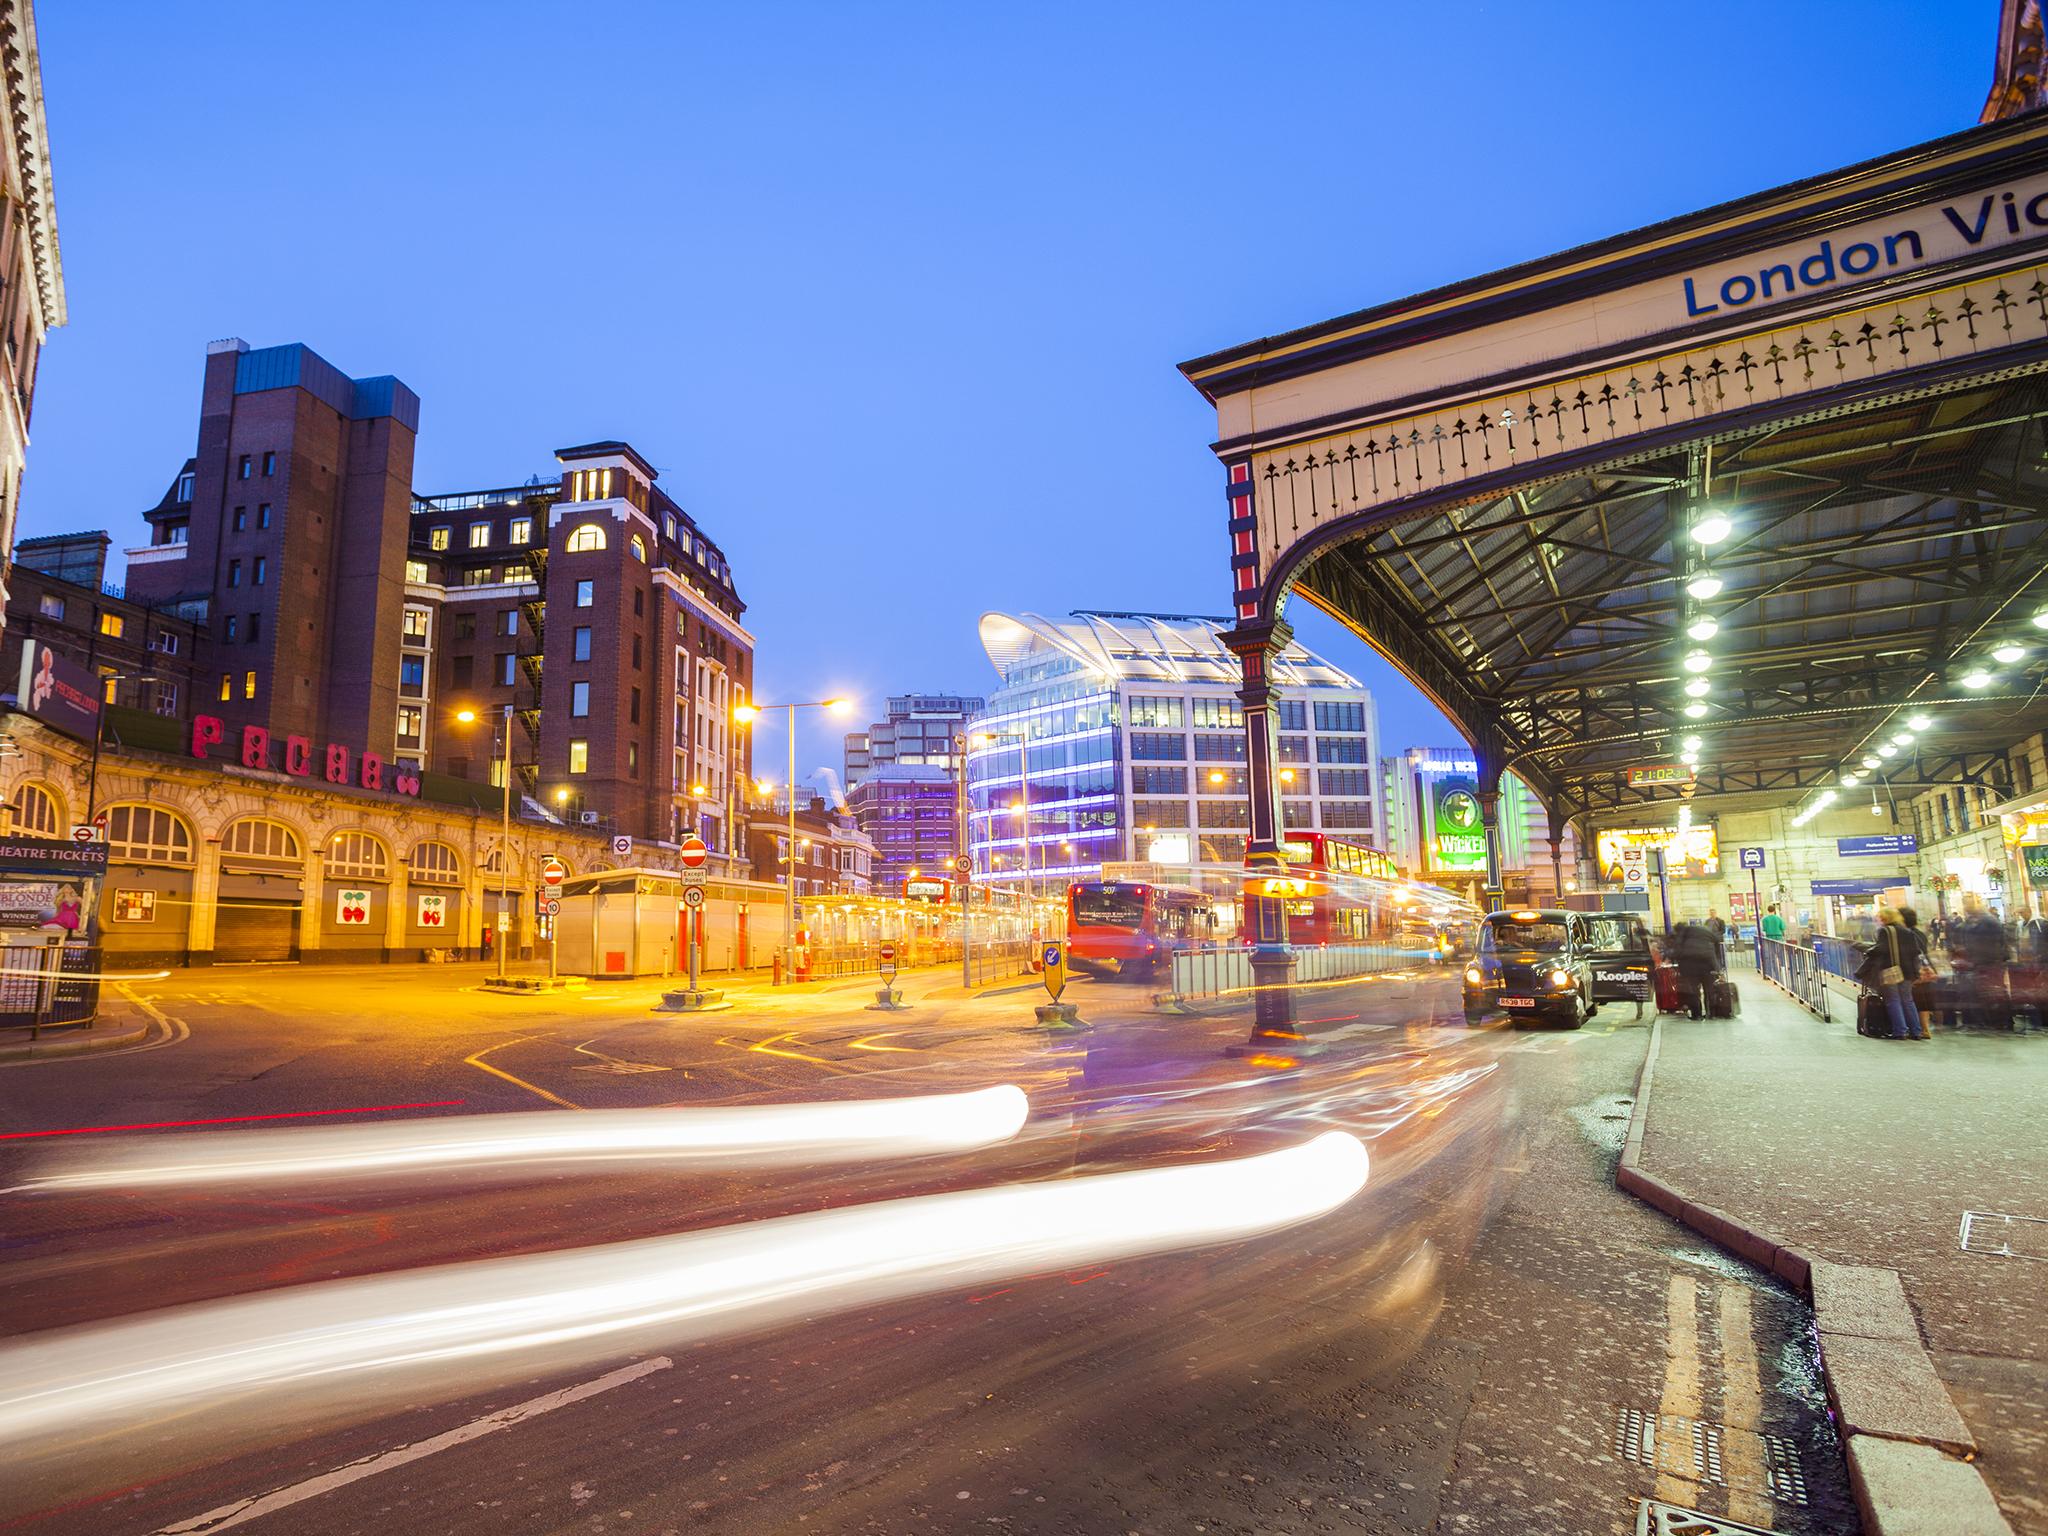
[[1518, 1002]]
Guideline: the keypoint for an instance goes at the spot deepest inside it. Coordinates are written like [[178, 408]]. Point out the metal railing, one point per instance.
[[1797, 971], [1220, 972], [46, 981]]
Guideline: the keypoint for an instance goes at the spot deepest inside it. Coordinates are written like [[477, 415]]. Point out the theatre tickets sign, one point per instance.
[[335, 763]]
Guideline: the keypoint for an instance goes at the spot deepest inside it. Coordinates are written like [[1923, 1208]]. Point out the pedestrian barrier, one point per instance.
[[1227, 969], [48, 982], [1797, 971]]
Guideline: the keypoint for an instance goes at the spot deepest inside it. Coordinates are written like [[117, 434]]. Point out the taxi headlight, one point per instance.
[[1560, 978], [1472, 975]]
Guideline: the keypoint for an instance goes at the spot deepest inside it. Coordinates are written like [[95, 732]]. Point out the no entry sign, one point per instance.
[[693, 853], [552, 873]]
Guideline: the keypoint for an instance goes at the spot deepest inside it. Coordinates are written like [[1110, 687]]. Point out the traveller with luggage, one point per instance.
[[1694, 950], [1890, 967]]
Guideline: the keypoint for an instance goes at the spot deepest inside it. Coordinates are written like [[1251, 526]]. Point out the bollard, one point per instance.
[[692, 1000], [1060, 1017], [887, 1000]]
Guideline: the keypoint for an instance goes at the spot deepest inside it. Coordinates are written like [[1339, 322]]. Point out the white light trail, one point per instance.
[[498, 1317], [523, 1143]]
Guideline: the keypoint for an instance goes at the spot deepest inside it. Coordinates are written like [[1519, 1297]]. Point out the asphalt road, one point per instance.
[[1453, 1349]]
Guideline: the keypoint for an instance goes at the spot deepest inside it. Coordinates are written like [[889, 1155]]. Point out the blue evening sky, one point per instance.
[[891, 294]]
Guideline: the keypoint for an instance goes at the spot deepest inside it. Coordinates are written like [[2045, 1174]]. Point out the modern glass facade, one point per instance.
[[1136, 747]]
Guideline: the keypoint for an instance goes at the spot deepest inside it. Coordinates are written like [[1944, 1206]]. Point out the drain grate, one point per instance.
[[1783, 1478], [1635, 1436], [1654, 1518], [1995, 1233], [1697, 1450]]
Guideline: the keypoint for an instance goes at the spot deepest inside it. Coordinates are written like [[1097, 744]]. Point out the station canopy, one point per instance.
[[1773, 476]]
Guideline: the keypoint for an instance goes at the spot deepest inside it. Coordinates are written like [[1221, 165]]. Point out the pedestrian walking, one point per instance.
[[1986, 952], [1773, 925], [1922, 982], [1890, 966], [1693, 951]]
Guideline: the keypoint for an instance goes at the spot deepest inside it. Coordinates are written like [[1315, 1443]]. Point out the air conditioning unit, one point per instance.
[[588, 818]]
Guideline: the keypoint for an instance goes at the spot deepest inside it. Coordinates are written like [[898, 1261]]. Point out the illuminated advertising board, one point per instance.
[[1698, 857], [1457, 841]]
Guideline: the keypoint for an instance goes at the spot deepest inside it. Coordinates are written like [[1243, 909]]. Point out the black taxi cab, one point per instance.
[[1532, 964], [1622, 960]]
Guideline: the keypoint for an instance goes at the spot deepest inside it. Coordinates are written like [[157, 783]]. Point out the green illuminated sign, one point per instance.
[[1457, 840]]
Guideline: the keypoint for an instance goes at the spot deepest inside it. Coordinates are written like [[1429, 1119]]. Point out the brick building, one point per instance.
[[587, 609], [597, 610], [834, 857], [287, 528], [912, 813], [60, 595]]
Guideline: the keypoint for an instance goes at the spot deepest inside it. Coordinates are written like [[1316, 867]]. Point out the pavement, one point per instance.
[[1488, 1338], [1864, 1158]]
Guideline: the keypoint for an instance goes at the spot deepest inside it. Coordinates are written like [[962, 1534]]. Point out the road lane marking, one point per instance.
[[481, 1065], [1742, 1398], [1681, 1372], [255, 1507], [288, 1114], [606, 1063], [862, 1044]]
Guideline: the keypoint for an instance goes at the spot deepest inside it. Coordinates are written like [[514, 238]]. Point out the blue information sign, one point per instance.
[[1752, 858], [1873, 887], [1882, 843]]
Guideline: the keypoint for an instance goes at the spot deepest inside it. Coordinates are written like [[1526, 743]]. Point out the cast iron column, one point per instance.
[[1489, 822], [1255, 643]]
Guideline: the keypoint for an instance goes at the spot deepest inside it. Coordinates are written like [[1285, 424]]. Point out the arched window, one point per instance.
[[36, 813], [589, 536], [599, 868], [436, 864], [494, 861], [147, 834], [357, 856], [639, 548], [254, 838]]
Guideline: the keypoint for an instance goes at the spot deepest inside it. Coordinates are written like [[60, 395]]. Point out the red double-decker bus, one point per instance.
[[1128, 929], [1335, 891]]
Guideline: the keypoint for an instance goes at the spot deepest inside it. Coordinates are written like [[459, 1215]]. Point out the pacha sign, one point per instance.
[[339, 767]]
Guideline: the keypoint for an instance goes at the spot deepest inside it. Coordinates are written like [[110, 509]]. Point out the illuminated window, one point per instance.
[[437, 538], [35, 811], [579, 757], [408, 723], [112, 624], [108, 683], [518, 575], [255, 838], [357, 856], [479, 535], [590, 485], [522, 530], [589, 536], [416, 570], [633, 758], [146, 834], [227, 687], [434, 864], [416, 621], [668, 521], [639, 547], [248, 685]]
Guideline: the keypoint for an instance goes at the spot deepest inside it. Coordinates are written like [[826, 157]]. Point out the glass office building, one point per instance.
[[1122, 734]]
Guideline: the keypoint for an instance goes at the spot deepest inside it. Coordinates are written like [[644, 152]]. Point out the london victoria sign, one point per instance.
[[338, 765], [1938, 234]]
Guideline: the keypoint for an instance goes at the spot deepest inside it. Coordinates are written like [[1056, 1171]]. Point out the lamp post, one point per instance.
[[504, 747], [99, 732], [746, 714]]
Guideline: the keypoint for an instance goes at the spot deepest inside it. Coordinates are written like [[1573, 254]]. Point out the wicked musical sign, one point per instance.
[[336, 763]]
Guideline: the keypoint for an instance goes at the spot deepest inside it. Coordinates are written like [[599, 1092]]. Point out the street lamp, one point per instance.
[[746, 714], [469, 717]]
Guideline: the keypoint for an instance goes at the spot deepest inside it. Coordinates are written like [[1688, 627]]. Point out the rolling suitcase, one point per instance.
[[1668, 1000], [1872, 1017], [1723, 1001]]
